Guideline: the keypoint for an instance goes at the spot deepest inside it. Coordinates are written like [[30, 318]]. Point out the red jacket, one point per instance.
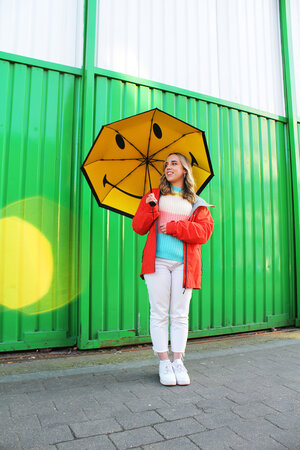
[[194, 232]]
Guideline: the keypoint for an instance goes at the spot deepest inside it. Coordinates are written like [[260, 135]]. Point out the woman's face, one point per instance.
[[174, 170]]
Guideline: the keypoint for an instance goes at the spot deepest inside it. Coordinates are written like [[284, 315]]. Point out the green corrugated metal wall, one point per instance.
[[39, 144], [248, 272]]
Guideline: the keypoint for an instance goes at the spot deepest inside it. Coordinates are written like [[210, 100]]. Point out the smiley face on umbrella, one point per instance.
[[127, 158]]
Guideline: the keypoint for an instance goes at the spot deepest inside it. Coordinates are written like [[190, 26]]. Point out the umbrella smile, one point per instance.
[[105, 181]]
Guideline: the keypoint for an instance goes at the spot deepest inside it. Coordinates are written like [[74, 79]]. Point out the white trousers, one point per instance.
[[166, 294]]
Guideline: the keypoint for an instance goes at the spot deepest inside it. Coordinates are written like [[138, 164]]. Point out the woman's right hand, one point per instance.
[[151, 198]]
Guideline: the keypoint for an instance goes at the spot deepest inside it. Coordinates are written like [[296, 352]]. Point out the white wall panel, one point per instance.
[[295, 15], [50, 30], [228, 49]]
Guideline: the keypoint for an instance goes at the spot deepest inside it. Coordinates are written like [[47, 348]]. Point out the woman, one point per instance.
[[178, 224]]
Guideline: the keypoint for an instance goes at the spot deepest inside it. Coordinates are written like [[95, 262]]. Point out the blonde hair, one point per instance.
[[188, 191]]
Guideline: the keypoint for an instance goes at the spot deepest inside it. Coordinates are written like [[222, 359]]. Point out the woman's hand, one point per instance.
[[163, 228], [151, 198]]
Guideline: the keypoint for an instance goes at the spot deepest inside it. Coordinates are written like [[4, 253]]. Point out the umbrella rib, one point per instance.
[[152, 118], [116, 185], [111, 128], [171, 143], [152, 165], [115, 159]]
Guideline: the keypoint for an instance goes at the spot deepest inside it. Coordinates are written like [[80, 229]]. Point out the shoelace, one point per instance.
[[180, 368], [167, 369]]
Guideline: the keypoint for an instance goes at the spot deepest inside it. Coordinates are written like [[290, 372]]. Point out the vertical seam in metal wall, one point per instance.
[[88, 80], [230, 121], [263, 215], [290, 101]]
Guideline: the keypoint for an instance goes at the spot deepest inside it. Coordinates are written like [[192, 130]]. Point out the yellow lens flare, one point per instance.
[[26, 261], [38, 256]]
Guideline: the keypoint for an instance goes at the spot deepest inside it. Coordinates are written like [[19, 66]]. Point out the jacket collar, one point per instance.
[[199, 202]]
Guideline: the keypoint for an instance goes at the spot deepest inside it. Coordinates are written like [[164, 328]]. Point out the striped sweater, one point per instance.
[[171, 207]]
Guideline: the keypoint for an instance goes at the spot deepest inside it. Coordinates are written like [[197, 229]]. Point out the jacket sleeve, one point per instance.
[[197, 232], [144, 217]]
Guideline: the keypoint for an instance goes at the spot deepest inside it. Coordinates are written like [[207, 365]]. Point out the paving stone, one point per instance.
[[74, 403], [26, 423], [40, 438], [93, 428], [105, 410], [292, 385], [245, 397], [32, 408], [145, 392], [288, 439], [136, 420], [261, 443], [62, 395], [188, 399], [91, 443], [217, 419], [103, 378], [9, 440], [214, 392], [276, 390], [133, 375], [43, 447], [139, 405], [75, 381], [61, 417], [178, 413], [172, 444], [252, 410], [118, 396], [134, 438], [250, 429], [4, 410], [178, 428], [219, 439], [116, 387], [6, 424], [282, 403], [15, 399], [5, 416], [219, 373], [285, 421], [21, 387], [210, 405]]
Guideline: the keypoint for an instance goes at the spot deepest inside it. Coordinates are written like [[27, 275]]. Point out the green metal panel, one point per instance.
[[294, 143], [247, 279], [39, 142], [297, 321]]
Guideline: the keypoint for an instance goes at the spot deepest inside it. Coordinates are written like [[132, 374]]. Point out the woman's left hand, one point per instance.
[[163, 228]]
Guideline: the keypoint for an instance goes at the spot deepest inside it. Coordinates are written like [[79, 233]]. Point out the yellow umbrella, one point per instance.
[[126, 159]]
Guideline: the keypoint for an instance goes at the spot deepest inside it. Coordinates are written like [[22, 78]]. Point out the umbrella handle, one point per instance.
[[152, 204]]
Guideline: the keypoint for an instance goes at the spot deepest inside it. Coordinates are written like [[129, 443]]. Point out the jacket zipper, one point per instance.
[[185, 268], [186, 260]]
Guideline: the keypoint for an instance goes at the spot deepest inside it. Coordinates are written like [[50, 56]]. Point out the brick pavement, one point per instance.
[[244, 394]]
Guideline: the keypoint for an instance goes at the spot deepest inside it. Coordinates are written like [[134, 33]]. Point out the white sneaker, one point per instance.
[[181, 375], [166, 374]]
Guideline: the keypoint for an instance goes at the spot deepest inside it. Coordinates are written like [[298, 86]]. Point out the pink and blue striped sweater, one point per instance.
[[171, 207]]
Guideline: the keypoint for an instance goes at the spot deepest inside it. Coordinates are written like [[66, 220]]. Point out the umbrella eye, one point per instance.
[[120, 141], [157, 131]]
